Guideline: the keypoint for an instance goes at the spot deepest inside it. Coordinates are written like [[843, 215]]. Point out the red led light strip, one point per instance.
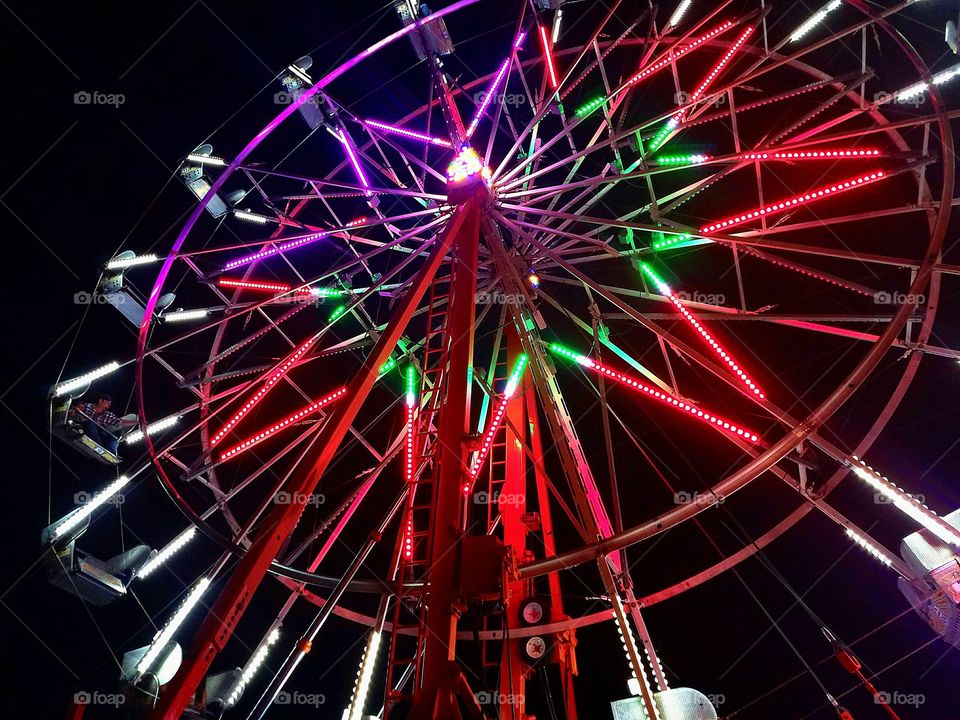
[[793, 202], [281, 425], [810, 273], [487, 441], [708, 338], [252, 285], [664, 62], [679, 404], [548, 56], [809, 154], [509, 391], [262, 392], [712, 75], [669, 399]]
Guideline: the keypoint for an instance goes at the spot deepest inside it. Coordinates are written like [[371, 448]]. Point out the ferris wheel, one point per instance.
[[450, 326]]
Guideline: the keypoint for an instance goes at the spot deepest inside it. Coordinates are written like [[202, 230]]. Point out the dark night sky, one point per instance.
[[81, 181]]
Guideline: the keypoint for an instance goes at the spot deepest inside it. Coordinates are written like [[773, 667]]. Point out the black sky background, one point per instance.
[[76, 182]]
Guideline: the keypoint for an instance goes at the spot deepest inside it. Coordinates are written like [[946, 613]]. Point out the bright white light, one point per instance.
[[169, 551], [185, 315], [814, 20], [362, 685], [906, 504], [251, 217], [137, 435], [81, 381], [130, 262], [206, 160], [253, 664], [300, 74], [939, 79], [679, 13], [84, 511], [556, 26], [869, 547], [162, 638]]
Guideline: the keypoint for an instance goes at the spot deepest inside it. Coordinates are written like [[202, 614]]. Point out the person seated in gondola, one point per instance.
[[98, 423]]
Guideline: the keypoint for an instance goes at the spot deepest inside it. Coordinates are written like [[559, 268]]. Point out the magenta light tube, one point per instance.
[[396, 130], [491, 91]]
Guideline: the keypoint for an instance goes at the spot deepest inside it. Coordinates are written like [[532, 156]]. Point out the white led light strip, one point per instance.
[[166, 634]]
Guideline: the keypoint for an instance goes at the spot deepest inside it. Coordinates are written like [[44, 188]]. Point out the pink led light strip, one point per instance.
[[281, 425], [666, 398], [409, 460], [396, 130], [352, 156], [664, 62], [282, 247], [488, 98], [824, 277], [707, 337], [262, 392], [793, 202], [809, 154]]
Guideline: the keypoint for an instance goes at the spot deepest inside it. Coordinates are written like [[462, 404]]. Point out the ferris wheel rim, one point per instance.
[[323, 581]]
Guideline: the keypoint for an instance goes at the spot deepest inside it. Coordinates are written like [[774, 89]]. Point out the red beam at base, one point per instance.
[[434, 698]]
